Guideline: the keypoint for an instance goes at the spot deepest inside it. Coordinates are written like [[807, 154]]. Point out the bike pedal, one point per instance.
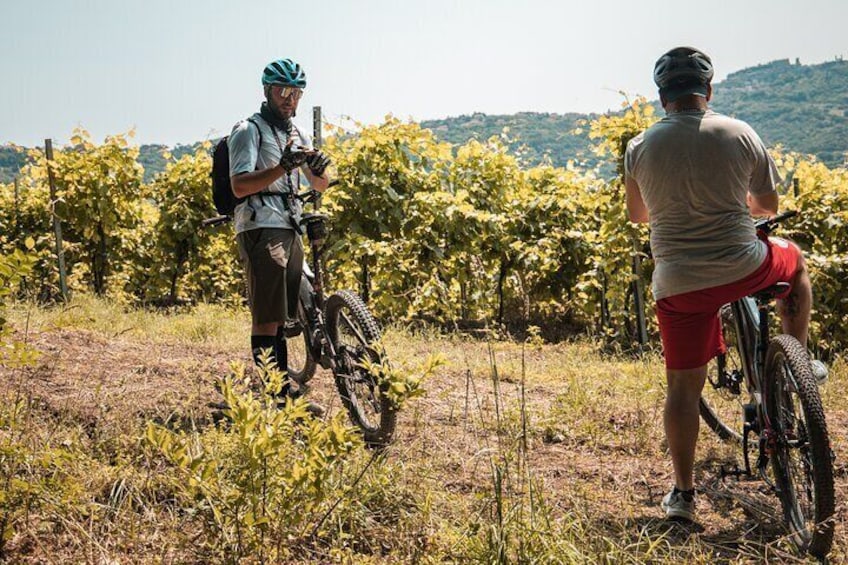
[[734, 472], [293, 328], [751, 421]]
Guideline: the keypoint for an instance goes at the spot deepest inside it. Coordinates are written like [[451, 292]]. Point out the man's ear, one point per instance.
[[709, 92], [663, 101], [267, 90]]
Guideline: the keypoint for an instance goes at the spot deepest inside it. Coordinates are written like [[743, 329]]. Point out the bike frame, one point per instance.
[[751, 316], [312, 294]]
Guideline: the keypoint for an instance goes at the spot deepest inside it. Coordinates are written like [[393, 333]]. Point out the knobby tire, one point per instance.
[[362, 397], [300, 363], [803, 472]]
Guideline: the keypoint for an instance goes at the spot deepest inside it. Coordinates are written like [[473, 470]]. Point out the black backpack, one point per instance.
[[222, 189]]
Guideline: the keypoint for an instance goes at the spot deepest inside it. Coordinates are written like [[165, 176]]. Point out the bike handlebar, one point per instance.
[[307, 196], [209, 222], [767, 225], [311, 195]]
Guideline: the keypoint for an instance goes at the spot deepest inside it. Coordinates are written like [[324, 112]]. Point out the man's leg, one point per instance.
[[264, 255], [294, 274], [264, 329], [261, 338], [794, 310], [681, 419]]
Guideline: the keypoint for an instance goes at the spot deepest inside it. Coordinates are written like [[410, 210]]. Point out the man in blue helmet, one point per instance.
[[698, 176], [268, 155]]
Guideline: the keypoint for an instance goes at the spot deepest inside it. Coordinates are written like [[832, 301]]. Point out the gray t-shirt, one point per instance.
[[694, 170], [246, 155]]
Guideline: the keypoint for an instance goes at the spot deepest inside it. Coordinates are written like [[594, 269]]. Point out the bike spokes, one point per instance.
[[355, 337], [801, 456]]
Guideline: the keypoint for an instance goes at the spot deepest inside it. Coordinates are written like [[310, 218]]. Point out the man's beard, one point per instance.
[[273, 117], [279, 111]]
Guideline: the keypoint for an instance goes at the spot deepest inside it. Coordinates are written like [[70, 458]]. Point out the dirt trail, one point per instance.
[[108, 382]]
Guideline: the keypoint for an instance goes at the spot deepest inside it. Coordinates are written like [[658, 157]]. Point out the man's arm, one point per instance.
[[244, 143], [245, 184], [763, 204], [762, 194], [636, 209]]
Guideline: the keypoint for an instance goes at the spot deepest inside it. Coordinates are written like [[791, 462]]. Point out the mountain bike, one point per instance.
[[766, 385], [338, 333]]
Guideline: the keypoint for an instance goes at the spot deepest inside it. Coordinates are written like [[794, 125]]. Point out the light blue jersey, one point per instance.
[[269, 208]]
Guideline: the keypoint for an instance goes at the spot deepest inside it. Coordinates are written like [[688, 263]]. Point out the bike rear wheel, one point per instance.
[[354, 334], [721, 403], [801, 458]]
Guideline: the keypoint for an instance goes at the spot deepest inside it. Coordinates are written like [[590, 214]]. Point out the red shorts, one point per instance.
[[689, 323]]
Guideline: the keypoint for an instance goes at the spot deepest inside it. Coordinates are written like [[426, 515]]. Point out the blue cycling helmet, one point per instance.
[[284, 72]]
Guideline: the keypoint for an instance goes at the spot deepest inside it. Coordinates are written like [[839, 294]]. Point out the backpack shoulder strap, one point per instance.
[[258, 130]]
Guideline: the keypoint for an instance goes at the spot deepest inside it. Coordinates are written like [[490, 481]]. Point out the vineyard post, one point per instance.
[[639, 294], [638, 284], [57, 226], [796, 187], [17, 212], [317, 126]]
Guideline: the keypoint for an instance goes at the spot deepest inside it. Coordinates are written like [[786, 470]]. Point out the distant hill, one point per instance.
[[11, 160], [151, 157], [540, 134], [802, 107]]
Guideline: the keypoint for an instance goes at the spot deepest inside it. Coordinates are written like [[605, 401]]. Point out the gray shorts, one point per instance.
[[273, 262]]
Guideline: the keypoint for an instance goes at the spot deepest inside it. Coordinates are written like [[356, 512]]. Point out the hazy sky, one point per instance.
[[184, 70]]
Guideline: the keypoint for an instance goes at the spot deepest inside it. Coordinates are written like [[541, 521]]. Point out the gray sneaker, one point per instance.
[[820, 371], [679, 504]]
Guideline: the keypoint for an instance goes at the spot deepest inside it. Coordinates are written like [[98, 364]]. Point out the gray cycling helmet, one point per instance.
[[683, 64], [284, 72], [681, 71]]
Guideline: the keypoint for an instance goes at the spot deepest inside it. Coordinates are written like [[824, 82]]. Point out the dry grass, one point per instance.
[[552, 453]]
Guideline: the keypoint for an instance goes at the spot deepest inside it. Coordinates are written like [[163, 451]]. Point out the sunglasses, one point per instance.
[[289, 92]]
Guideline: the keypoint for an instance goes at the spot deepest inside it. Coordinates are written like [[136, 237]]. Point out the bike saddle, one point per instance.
[[311, 218], [316, 228], [772, 291]]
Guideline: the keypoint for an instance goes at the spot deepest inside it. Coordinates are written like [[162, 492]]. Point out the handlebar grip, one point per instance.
[[307, 195], [209, 222], [768, 224], [784, 216]]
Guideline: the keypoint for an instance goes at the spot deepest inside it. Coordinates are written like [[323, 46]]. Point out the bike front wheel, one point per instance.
[[801, 457], [355, 334], [301, 365]]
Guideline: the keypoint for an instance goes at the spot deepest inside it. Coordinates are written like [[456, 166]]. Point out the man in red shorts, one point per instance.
[[698, 177]]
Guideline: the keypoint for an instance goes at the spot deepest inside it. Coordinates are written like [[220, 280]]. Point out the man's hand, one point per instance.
[[292, 159], [317, 162]]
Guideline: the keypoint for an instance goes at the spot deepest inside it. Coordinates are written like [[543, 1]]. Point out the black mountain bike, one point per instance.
[[339, 334], [766, 385]]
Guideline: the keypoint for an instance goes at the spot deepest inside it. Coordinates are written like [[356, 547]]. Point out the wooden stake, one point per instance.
[[317, 125], [639, 295], [17, 210], [57, 225]]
